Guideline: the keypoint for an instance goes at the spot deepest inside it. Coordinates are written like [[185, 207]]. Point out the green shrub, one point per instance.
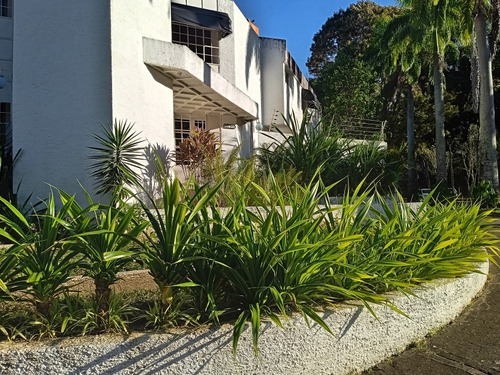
[[171, 244], [43, 252], [104, 235], [297, 256], [308, 148], [485, 194]]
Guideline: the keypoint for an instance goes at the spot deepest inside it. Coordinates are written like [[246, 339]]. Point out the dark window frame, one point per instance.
[[6, 8], [204, 42]]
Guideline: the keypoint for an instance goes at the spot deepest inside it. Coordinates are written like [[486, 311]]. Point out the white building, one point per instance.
[[164, 65]]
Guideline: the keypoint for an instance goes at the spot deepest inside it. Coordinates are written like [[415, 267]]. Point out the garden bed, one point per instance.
[[360, 341]]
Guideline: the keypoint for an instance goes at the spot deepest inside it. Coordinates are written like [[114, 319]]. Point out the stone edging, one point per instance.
[[360, 341]]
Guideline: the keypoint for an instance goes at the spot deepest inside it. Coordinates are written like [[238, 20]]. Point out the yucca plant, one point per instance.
[[105, 235], [171, 243], [117, 160], [209, 268], [11, 280], [43, 251]]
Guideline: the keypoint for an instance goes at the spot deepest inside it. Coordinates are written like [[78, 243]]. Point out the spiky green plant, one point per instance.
[[43, 251], [306, 148], [104, 235], [298, 252], [117, 160], [171, 243]]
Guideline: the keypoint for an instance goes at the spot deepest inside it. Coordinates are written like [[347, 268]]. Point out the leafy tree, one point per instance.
[[432, 25], [399, 56], [349, 87], [349, 29], [347, 84]]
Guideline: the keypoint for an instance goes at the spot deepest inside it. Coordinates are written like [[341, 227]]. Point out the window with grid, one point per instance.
[[203, 42], [182, 129], [5, 8], [200, 124]]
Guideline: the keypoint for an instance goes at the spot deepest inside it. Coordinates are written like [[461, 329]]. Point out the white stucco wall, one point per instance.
[[141, 94], [293, 98], [273, 52], [247, 74], [61, 90], [206, 4], [247, 56]]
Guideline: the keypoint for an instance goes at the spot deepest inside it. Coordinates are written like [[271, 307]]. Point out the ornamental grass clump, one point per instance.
[[43, 252], [316, 149], [280, 258]]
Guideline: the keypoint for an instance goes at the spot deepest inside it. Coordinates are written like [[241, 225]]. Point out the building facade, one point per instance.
[[167, 66]]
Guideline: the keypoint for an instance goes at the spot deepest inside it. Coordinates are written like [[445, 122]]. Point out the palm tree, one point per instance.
[[481, 11], [430, 25], [401, 55]]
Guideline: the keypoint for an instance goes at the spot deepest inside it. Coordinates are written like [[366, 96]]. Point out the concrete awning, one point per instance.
[[197, 87]]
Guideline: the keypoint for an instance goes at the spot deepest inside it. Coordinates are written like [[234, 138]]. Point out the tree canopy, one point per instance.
[[364, 60]]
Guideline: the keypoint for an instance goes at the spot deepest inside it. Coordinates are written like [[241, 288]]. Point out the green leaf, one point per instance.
[[307, 311], [239, 326], [114, 255]]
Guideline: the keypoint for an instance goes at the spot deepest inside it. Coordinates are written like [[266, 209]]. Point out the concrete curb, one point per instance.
[[360, 341]]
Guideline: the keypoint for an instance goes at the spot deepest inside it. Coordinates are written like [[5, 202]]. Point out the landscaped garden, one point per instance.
[[263, 246]]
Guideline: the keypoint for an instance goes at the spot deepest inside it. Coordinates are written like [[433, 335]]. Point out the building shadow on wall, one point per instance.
[[253, 49], [159, 163]]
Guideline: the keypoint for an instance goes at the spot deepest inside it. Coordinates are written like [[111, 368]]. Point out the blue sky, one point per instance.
[[294, 20]]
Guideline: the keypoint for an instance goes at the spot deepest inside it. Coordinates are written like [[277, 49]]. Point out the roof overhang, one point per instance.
[[197, 87]]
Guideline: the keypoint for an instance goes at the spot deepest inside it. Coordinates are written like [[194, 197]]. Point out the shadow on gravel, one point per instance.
[[150, 354]]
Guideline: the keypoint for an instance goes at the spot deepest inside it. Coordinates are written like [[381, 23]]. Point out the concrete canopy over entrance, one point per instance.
[[197, 87]]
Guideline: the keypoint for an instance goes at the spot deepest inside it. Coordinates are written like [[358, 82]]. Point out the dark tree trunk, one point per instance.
[[43, 308], [102, 295], [410, 136], [439, 117]]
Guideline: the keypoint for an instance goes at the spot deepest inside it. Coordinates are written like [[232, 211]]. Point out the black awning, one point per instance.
[[308, 95], [200, 17]]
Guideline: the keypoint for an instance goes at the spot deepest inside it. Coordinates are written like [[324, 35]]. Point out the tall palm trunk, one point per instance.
[[487, 130], [410, 136], [439, 118]]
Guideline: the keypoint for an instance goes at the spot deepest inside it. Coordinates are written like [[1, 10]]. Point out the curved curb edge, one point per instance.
[[360, 341]]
